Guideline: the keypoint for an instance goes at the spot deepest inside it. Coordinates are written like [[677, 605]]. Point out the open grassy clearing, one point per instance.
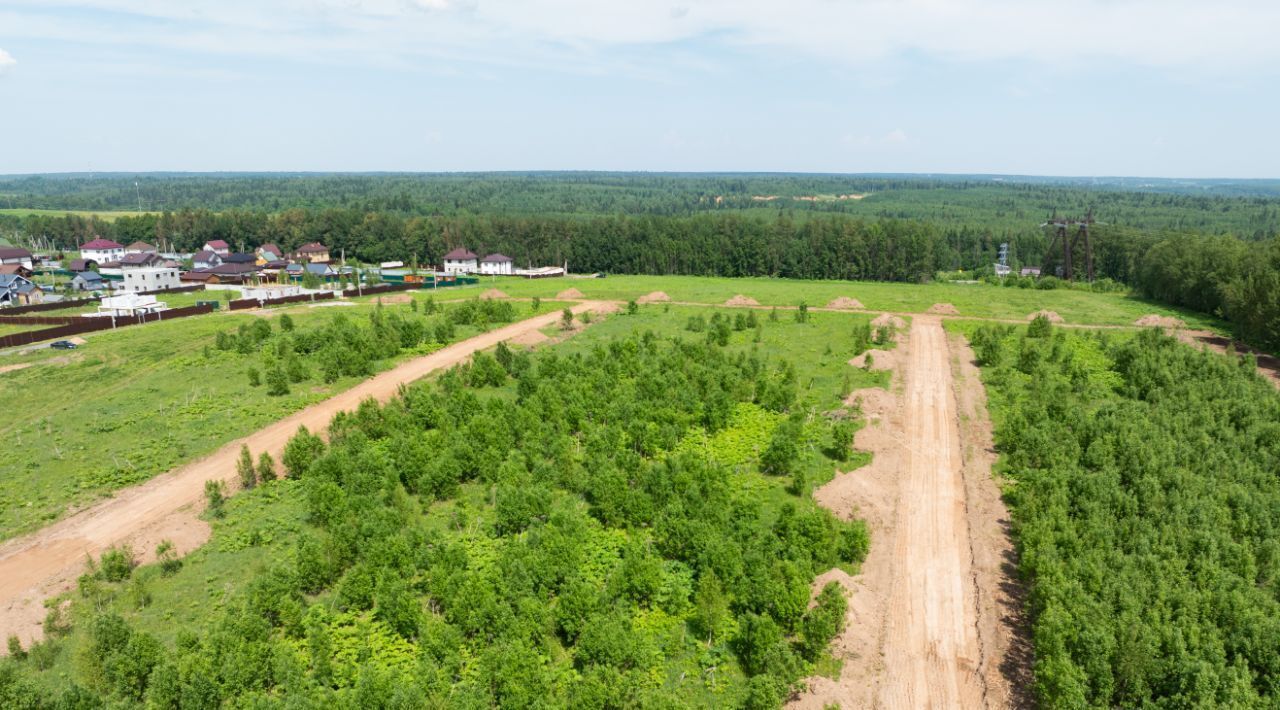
[[107, 215], [137, 401], [977, 300], [262, 526]]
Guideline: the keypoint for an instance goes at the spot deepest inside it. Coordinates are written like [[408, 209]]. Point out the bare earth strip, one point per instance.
[[46, 563], [932, 612]]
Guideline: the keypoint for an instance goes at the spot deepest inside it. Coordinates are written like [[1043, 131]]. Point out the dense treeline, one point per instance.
[[550, 543], [1146, 510]]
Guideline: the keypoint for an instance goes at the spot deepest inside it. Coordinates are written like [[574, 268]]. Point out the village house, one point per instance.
[[240, 258], [16, 256], [268, 253], [140, 248], [18, 269], [154, 278], [1031, 271], [88, 281], [217, 246], [461, 261], [314, 253], [102, 251], [18, 290], [78, 265], [496, 264], [205, 260]]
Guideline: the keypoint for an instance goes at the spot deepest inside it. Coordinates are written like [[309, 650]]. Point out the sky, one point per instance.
[[1162, 88]]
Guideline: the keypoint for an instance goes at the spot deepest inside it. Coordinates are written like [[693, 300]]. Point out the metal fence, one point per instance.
[[94, 324]]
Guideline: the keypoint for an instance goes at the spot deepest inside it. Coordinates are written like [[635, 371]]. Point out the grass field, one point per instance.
[[109, 216], [977, 300], [262, 525], [134, 403]]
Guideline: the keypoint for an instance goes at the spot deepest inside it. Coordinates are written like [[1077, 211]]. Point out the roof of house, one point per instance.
[[205, 256], [275, 264], [196, 276], [312, 248], [89, 276], [239, 258], [99, 243], [294, 268], [140, 246], [460, 254], [14, 253], [14, 282], [12, 269], [231, 269], [271, 248], [496, 259], [217, 244], [143, 259], [80, 264], [320, 269]]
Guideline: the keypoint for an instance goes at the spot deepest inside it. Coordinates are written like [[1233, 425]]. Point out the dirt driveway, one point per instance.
[[48, 562]]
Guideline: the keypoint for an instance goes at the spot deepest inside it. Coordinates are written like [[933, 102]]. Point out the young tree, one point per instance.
[[823, 622], [168, 558], [244, 469], [802, 313], [303, 448], [286, 322], [566, 319], [266, 467], [277, 381], [255, 378], [632, 308]]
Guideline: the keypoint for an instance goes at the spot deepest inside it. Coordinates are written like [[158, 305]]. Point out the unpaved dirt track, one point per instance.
[[931, 652], [48, 562], [933, 610]]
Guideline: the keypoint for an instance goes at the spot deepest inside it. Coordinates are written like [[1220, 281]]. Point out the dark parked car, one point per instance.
[[62, 345]]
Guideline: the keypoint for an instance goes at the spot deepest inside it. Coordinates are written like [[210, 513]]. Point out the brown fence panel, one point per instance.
[[37, 307], [243, 303], [90, 325], [6, 319]]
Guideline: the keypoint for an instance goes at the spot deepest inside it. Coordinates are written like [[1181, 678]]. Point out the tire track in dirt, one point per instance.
[[46, 563], [931, 610]]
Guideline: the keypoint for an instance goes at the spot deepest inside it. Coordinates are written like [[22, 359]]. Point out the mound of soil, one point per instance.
[[1161, 321], [654, 297], [888, 319], [1051, 315], [846, 302], [493, 293], [570, 293], [740, 300], [944, 309], [880, 360]]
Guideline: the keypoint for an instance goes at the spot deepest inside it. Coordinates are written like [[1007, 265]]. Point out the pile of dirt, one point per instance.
[[493, 293], [1162, 321], [77, 340], [654, 297], [846, 302], [398, 298], [1051, 315], [888, 319], [740, 300], [944, 309], [570, 293], [880, 359]]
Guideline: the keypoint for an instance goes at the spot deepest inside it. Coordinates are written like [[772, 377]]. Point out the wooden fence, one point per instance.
[[96, 323], [243, 303]]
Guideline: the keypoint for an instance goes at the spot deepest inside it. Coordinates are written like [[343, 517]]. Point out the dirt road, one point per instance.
[[926, 627], [46, 563]]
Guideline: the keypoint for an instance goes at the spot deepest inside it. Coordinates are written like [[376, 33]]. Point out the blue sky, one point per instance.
[[1086, 87]]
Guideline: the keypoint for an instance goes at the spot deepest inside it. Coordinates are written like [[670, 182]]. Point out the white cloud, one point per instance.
[[1222, 36], [7, 61], [897, 136]]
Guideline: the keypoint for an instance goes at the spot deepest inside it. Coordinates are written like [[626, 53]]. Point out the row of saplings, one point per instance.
[[577, 572]]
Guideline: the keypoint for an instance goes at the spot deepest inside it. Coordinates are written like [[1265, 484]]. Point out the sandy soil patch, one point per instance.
[[46, 563], [530, 339], [846, 302], [327, 304], [741, 300], [493, 293], [944, 309], [880, 359], [15, 367], [888, 319], [1268, 365], [1153, 319], [570, 293], [654, 297], [1051, 315], [396, 298]]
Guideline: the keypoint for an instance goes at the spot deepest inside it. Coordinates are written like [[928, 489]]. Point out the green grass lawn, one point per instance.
[[133, 403], [977, 300], [109, 216]]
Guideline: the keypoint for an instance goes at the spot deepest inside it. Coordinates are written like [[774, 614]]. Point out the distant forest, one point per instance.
[[1209, 245]]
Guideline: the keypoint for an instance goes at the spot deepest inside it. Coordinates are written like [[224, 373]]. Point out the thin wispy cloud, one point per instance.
[[7, 61]]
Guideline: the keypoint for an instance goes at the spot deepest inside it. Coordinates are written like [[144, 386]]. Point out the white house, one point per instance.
[[217, 246], [141, 248], [461, 261], [103, 251], [15, 255], [152, 278], [205, 260], [499, 264], [130, 304]]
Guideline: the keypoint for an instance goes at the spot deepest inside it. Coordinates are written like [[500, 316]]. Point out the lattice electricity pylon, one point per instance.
[[1061, 228]]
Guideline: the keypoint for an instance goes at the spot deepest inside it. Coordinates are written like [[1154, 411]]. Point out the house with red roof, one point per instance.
[[103, 251], [313, 253], [461, 261], [217, 246]]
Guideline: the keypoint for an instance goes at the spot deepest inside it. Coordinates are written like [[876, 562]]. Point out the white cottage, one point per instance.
[[461, 261], [496, 264]]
